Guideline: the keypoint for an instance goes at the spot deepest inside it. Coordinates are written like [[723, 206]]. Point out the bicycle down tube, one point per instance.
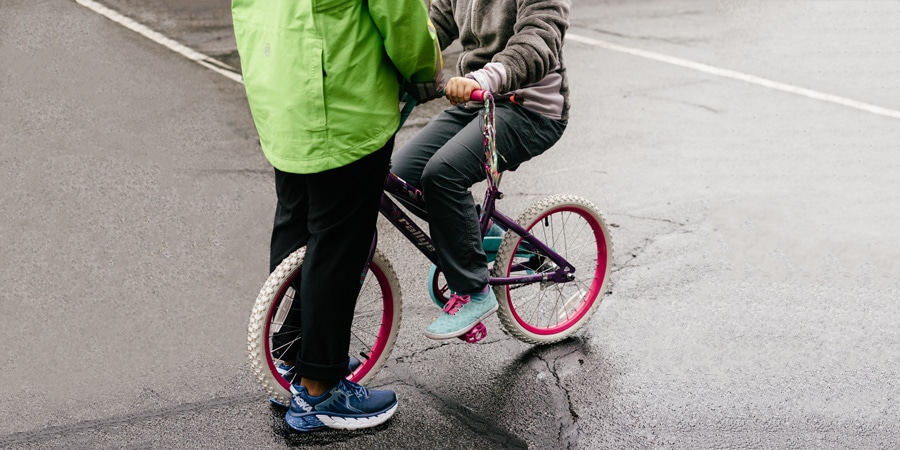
[[401, 221]]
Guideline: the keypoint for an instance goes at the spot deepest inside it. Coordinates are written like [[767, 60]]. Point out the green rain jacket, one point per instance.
[[323, 76]]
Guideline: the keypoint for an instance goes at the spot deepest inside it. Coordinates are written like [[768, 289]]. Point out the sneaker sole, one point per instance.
[[459, 333], [356, 423], [304, 423], [308, 422]]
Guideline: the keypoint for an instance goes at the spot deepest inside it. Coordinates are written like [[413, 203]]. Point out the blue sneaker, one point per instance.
[[346, 406], [462, 313], [287, 372]]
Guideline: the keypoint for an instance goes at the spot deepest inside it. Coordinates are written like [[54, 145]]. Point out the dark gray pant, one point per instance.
[[446, 158], [332, 213]]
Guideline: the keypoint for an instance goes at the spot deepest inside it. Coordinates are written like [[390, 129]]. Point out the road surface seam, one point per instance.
[[45, 434]]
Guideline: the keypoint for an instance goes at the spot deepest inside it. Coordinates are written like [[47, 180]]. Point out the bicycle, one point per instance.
[[536, 275]]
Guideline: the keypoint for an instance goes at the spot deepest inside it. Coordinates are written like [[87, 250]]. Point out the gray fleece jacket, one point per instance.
[[510, 47]]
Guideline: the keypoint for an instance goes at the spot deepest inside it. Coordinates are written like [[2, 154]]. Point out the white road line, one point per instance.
[[220, 68], [189, 53], [738, 76]]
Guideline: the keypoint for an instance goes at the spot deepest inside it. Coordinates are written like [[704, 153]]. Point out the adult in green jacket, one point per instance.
[[323, 80], [322, 75]]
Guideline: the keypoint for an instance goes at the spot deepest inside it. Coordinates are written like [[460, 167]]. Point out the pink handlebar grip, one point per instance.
[[477, 95]]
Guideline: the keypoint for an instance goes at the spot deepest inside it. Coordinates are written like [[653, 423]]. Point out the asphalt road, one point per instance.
[[745, 153]]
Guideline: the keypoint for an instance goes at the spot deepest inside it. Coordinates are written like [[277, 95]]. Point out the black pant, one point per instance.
[[332, 213]]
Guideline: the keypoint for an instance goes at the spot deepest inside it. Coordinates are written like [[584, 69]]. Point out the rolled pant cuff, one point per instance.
[[325, 373]]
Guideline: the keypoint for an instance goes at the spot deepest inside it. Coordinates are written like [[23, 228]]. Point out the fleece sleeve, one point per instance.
[[535, 48], [441, 14]]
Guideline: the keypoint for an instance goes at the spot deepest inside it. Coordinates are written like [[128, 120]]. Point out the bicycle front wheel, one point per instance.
[[272, 333], [546, 312]]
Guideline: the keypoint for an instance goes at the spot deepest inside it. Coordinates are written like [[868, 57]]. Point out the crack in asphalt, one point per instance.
[[479, 424], [565, 429], [656, 219], [682, 102], [415, 353], [639, 250], [567, 435]]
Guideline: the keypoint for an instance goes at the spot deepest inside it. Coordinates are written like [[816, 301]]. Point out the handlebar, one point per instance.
[[478, 95]]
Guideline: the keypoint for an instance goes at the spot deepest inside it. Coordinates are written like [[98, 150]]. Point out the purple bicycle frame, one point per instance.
[[414, 233]]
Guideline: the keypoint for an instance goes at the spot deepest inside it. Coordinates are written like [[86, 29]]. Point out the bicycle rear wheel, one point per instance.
[[547, 312], [376, 322]]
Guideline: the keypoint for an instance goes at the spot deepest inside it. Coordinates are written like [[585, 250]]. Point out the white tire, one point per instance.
[[546, 312], [376, 322]]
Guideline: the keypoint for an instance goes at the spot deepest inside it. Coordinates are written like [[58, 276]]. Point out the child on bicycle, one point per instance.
[[322, 80], [514, 50]]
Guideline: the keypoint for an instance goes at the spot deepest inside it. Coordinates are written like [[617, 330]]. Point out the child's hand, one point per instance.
[[459, 89]]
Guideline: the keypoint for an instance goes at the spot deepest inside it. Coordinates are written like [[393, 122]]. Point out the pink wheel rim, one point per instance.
[[387, 317], [593, 290]]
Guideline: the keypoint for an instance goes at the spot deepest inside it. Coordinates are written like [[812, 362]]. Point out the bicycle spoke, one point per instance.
[[537, 303], [355, 334], [586, 245], [564, 309]]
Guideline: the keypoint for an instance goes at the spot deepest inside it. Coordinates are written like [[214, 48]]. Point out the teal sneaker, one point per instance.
[[494, 230], [491, 242], [461, 313]]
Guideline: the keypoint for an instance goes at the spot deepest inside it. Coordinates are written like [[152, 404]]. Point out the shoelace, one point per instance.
[[455, 303], [357, 390]]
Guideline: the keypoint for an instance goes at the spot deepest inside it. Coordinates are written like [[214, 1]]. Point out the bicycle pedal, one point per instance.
[[476, 334]]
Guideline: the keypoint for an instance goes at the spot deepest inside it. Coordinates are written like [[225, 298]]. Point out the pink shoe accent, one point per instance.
[[455, 303]]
